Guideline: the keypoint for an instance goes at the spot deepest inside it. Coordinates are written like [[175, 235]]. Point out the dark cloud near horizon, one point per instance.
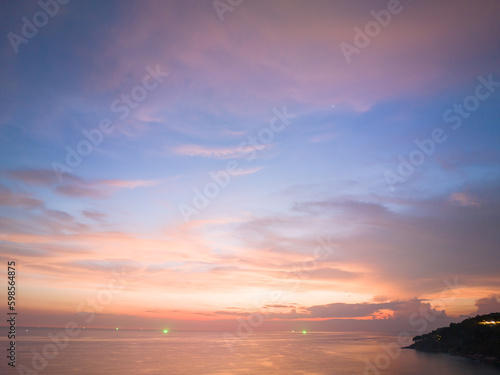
[[488, 305]]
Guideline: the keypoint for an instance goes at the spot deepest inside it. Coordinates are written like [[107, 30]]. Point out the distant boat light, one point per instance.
[[165, 331]]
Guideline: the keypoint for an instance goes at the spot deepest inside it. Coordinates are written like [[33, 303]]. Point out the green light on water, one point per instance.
[[293, 331], [117, 329], [304, 332], [165, 331]]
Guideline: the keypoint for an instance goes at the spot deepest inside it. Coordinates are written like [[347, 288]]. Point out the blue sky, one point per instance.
[[195, 88]]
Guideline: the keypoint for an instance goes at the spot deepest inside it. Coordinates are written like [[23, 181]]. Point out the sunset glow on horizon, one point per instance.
[[302, 166]]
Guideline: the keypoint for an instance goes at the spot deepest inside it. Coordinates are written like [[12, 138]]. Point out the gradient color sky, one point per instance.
[[314, 142]]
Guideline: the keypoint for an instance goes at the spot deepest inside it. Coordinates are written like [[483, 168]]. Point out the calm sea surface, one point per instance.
[[95, 352]]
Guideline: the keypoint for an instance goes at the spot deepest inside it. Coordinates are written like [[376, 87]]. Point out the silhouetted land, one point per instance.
[[477, 338]]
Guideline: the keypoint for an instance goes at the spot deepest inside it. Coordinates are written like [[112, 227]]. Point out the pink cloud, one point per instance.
[[215, 152], [73, 185], [99, 189], [128, 184], [277, 60], [245, 171], [464, 199], [18, 199]]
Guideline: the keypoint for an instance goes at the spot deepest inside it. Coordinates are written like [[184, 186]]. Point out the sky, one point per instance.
[[325, 165]]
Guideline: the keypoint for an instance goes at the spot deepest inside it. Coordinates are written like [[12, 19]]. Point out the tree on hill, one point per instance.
[[478, 336]]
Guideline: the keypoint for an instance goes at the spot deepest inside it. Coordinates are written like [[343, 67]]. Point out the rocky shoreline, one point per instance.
[[475, 338]]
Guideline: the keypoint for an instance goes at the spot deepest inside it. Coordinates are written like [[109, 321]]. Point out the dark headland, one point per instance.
[[476, 338]]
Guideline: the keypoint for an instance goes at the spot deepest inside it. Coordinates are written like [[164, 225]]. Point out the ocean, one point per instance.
[[123, 352]]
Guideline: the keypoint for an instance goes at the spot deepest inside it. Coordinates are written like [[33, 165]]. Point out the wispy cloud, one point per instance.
[[99, 189], [44, 177], [94, 215], [18, 199], [128, 184], [245, 171], [215, 152], [73, 186], [464, 199], [323, 138]]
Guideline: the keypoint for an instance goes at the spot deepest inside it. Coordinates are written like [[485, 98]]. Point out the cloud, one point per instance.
[[280, 62], [99, 189], [94, 215], [416, 305], [58, 215], [18, 199], [43, 177], [236, 313], [215, 152], [324, 273], [346, 206], [292, 305], [357, 310], [464, 199], [399, 247], [381, 298], [127, 184], [72, 186], [323, 138], [225, 81], [83, 190], [392, 310], [488, 305], [245, 171]]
